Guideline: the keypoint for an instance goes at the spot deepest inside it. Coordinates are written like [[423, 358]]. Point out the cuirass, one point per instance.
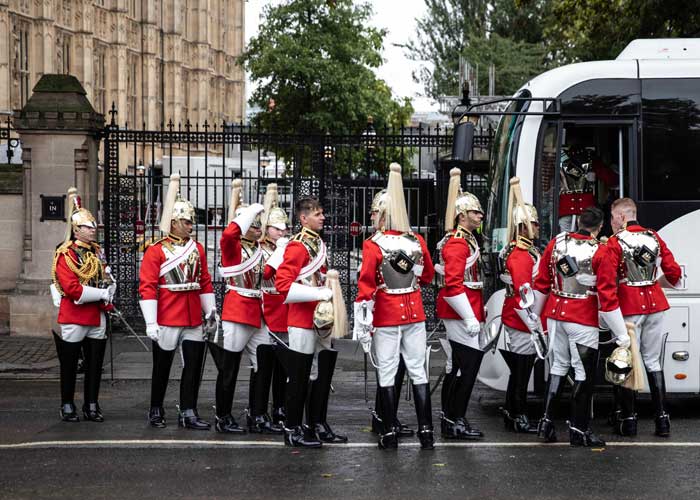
[[640, 252], [400, 253], [472, 272], [313, 245], [503, 272], [574, 277], [250, 279], [575, 178], [184, 276]]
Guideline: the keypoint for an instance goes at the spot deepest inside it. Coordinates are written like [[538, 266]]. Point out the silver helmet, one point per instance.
[[618, 366]]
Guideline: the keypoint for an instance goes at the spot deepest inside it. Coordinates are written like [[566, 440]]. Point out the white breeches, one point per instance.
[[650, 335], [71, 332], [239, 337], [308, 342], [562, 346], [389, 343]]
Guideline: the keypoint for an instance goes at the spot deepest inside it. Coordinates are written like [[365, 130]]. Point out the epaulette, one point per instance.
[[155, 240], [297, 237], [64, 247], [460, 234], [523, 243]]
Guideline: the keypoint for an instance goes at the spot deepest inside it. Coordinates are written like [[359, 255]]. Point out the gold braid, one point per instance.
[[88, 270]]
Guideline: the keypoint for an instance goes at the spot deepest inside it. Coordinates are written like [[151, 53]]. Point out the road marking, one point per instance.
[[170, 443]]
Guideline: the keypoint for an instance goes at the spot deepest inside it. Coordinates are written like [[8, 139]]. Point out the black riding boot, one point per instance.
[[259, 420], [467, 360], [385, 410], [68, 353], [193, 354], [227, 364], [523, 368], [626, 424], [279, 382], [446, 423], [401, 430], [160, 375], [657, 387], [298, 368], [546, 429], [94, 350], [317, 415], [580, 433], [421, 396], [508, 408]]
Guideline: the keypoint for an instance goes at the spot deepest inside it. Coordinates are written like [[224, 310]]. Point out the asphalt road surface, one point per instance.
[[41, 457]]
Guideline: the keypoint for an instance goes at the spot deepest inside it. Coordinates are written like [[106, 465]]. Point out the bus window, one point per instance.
[[544, 184], [501, 169], [670, 139], [589, 173]]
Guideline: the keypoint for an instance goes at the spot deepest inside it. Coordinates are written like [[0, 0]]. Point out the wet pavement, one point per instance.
[[124, 458]]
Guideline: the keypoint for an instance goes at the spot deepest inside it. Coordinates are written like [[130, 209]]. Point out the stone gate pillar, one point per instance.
[[59, 130]]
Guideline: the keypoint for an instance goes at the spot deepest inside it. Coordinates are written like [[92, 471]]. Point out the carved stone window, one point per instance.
[[132, 88], [22, 51], [63, 53], [99, 78]]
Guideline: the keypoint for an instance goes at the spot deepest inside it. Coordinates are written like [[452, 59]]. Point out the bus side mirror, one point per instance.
[[463, 140]]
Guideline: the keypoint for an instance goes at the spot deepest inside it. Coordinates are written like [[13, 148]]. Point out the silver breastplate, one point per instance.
[[400, 252], [575, 180], [472, 271], [640, 252], [572, 267], [185, 275], [314, 246], [250, 279]]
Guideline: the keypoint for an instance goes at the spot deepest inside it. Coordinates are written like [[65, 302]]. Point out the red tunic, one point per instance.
[[237, 308], [69, 312], [581, 311], [455, 253], [575, 203], [643, 299], [296, 256], [182, 308], [391, 309], [519, 265], [275, 311]]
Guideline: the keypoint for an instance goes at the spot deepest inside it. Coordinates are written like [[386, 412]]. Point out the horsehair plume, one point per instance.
[[236, 190], [453, 190], [170, 197], [396, 216]]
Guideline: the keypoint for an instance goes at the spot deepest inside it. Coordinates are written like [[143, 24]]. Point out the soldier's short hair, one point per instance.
[[306, 205], [624, 205], [590, 218]]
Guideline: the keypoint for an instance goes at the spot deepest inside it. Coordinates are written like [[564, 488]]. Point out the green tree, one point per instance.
[[441, 37], [315, 60], [506, 33], [587, 30]]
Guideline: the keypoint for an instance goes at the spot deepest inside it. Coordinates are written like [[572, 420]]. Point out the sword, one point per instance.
[[364, 318], [211, 326], [527, 299], [116, 313]]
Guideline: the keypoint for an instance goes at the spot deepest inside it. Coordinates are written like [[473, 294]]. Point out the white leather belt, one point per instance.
[[245, 292], [271, 290], [474, 285], [637, 283], [397, 291], [180, 287]]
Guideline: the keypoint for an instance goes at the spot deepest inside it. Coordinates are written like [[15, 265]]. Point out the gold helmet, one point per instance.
[[458, 201], [524, 214], [618, 366], [273, 215], [77, 215], [175, 207]]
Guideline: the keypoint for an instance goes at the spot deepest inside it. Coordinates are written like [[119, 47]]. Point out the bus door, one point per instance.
[[582, 164]]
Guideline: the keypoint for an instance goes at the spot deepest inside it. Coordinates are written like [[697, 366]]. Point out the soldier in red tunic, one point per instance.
[[175, 288], [241, 266], [519, 263], [275, 225], [460, 304], [638, 254], [395, 261], [83, 290], [301, 279], [576, 276]]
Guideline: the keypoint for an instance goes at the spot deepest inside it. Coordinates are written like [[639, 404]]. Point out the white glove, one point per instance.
[[614, 320], [305, 293], [277, 256], [152, 330], [55, 295], [533, 323], [418, 269], [111, 291], [460, 304], [473, 326], [247, 216], [92, 294]]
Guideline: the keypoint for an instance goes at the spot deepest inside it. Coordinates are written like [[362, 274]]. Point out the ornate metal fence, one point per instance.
[[343, 171]]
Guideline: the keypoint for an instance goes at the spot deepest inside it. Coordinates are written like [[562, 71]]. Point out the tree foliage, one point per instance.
[[315, 60], [507, 33], [587, 30]]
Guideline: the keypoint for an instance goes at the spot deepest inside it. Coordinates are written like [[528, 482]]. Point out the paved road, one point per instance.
[[123, 458]]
